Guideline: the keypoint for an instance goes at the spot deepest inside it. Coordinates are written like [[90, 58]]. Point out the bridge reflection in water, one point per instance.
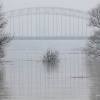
[[28, 78]]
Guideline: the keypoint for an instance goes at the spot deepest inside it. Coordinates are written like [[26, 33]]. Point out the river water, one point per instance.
[[23, 76]]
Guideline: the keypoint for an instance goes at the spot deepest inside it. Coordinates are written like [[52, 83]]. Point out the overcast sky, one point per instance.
[[84, 5]]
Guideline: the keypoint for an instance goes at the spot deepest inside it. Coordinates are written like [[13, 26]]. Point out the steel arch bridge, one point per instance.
[[43, 23]]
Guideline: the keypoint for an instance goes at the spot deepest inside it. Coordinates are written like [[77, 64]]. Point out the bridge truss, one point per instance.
[[48, 23]]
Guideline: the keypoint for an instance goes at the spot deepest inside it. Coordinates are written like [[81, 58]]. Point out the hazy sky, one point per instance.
[[84, 5]]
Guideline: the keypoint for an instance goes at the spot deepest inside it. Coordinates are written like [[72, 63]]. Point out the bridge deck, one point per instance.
[[51, 38]]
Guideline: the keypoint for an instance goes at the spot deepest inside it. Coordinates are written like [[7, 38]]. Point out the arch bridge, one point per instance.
[[43, 23]]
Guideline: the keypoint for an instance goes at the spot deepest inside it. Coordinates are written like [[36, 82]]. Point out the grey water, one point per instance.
[[23, 75], [43, 45]]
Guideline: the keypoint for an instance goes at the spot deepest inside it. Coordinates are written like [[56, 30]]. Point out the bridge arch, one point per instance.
[[48, 10], [48, 23]]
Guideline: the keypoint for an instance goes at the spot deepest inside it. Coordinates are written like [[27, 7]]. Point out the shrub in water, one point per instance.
[[51, 56]]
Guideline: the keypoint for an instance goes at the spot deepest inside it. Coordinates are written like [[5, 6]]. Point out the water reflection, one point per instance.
[[28, 78], [94, 72], [51, 67], [3, 89]]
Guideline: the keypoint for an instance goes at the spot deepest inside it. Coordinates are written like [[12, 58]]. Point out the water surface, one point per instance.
[[25, 77]]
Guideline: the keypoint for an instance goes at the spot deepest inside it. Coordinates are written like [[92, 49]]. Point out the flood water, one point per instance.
[[23, 76]]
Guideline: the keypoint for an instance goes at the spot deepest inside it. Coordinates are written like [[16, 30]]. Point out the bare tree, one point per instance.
[[93, 46], [95, 16], [93, 50], [51, 56], [4, 38]]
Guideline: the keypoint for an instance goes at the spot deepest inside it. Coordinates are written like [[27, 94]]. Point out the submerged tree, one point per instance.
[[51, 56], [93, 46], [93, 50], [4, 38]]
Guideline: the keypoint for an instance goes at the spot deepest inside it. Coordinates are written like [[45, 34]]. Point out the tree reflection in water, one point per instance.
[[3, 89], [51, 67], [93, 67]]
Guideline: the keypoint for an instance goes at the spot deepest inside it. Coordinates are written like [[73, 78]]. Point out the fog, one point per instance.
[[24, 76], [84, 5]]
